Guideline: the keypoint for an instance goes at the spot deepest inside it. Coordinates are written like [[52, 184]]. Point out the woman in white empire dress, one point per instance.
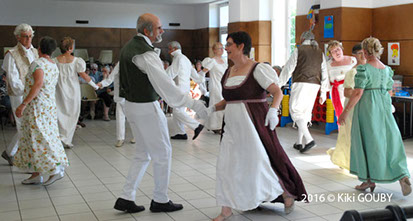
[[216, 67], [252, 166], [68, 98]]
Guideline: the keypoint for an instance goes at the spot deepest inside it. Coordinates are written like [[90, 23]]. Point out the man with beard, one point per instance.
[[142, 80]]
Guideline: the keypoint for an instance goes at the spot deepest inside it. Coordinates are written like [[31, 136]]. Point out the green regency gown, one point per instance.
[[377, 149]]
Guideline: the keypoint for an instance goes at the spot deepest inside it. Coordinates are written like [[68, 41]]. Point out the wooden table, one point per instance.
[[402, 127]]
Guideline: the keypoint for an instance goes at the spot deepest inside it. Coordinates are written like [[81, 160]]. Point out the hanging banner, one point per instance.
[[328, 26], [393, 49]]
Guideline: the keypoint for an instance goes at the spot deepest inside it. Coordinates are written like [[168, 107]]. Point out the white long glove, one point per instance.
[[205, 114], [272, 118], [91, 83], [322, 98]]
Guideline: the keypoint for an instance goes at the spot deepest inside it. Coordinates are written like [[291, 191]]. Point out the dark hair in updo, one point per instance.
[[356, 48], [241, 37], [47, 45]]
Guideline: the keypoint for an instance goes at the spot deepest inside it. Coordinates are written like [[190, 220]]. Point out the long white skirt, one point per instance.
[[68, 102], [244, 175], [214, 122]]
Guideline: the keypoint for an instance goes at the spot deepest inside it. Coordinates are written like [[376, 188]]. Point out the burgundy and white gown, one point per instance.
[[252, 166]]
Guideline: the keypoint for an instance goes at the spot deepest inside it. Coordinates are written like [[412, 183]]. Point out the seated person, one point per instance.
[[104, 94], [96, 77], [95, 74], [5, 99]]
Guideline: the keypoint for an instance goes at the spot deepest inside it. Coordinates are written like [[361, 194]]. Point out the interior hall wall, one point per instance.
[[393, 24], [195, 43], [352, 25], [260, 32]]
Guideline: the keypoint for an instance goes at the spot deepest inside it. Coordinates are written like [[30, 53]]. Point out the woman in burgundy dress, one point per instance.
[[252, 166]]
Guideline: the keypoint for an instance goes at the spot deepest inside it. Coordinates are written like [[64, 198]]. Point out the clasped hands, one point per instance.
[[202, 112]]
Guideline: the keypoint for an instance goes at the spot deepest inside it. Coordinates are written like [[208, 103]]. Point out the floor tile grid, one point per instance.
[[85, 163], [15, 190], [170, 191], [5, 143], [315, 168], [207, 174], [117, 149]]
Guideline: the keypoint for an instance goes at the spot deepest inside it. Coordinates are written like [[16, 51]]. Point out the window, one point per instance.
[[283, 30], [223, 25], [292, 11]]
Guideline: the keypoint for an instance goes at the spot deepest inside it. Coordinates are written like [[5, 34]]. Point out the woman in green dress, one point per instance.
[[377, 150]]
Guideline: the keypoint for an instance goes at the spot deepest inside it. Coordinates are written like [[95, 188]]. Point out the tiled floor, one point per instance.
[[97, 172]]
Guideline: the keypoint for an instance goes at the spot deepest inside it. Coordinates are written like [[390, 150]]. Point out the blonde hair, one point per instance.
[[216, 44], [334, 43], [66, 44], [372, 46]]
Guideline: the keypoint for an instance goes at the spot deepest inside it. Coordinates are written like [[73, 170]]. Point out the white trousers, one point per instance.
[[120, 120], [11, 149], [302, 100], [181, 118], [149, 126]]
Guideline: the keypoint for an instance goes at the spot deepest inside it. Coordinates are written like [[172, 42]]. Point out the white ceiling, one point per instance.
[[153, 1]]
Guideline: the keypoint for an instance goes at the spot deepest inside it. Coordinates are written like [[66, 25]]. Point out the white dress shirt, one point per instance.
[[150, 63], [180, 70]]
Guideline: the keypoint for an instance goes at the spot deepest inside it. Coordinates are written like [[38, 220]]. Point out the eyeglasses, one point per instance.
[[26, 36], [229, 44], [337, 50]]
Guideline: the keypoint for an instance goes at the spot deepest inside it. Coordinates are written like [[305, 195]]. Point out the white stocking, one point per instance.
[[303, 131]]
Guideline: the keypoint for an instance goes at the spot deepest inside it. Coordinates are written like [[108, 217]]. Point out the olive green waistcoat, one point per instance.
[[134, 84]]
